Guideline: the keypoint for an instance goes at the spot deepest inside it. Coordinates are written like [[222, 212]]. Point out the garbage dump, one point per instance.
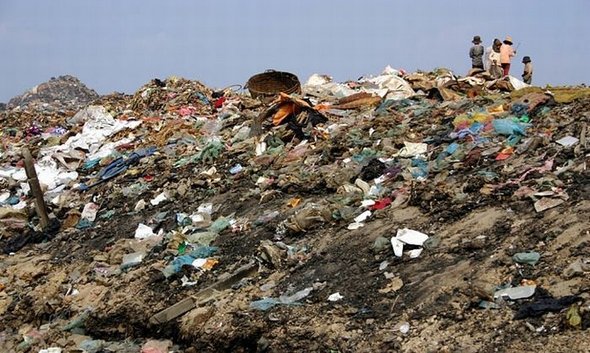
[[407, 212], [63, 93]]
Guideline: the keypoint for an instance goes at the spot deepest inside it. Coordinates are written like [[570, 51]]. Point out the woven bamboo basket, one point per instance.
[[266, 85]]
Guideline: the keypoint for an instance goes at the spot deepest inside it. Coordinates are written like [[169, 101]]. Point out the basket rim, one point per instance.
[[287, 79]]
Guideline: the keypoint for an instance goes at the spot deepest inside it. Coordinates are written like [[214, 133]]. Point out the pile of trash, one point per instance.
[[404, 211], [63, 93], [43, 110]]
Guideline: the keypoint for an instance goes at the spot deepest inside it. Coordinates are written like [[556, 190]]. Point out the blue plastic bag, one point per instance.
[[508, 127]]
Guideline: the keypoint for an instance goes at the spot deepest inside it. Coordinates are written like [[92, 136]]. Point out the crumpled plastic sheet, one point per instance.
[[48, 173], [269, 303], [516, 83], [388, 85], [391, 87], [99, 126]]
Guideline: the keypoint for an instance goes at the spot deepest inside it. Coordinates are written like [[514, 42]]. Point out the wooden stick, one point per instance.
[[203, 296], [35, 188]]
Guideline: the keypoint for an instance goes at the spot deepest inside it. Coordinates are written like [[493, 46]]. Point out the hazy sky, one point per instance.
[[116, 45]]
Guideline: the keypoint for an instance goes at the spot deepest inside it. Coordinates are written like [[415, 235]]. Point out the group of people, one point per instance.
[[498, 58]]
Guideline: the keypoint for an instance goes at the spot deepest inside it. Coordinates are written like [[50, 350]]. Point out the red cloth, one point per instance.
[[381, 204], [219, 102]]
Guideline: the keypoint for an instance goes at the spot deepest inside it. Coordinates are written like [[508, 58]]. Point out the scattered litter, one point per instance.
[[358, 220], [131, 260], [407, 236], [51, 350], [514, 293], [163, 196], [140, 205], [335, 297], [355, 225], [185, 282], [190, 167], [198, 259], [143, 232], [573, 316], [567, 141], [236, 169], [89, 212], [530, 258], [412, 149], [269, 303], [404, 327]]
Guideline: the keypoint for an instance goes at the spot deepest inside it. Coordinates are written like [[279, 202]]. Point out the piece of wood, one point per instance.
[[173, 311], [35, 188], [203, 296]]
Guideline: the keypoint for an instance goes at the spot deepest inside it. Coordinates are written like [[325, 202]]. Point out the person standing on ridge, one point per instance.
[[527, 75], [494, 59], [476, 53], [486, 57], [506, 54]]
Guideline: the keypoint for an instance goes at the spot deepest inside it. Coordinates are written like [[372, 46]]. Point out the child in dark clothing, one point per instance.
[[476, 53], [527, 75]]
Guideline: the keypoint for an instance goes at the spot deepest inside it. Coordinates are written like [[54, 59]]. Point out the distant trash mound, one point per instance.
[[66, 93]]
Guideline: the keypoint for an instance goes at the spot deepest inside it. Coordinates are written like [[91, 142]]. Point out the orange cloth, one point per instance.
[[287, 105], [285, 109]]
